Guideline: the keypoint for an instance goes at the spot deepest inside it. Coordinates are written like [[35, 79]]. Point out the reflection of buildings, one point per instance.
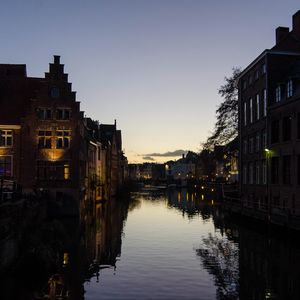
[[269, 130], [191, 203], [250, 263], [109, 227], [269, 267]]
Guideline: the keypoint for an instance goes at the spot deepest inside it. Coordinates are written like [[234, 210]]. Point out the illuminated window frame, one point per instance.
[[6, 138], [63, 139], [44, 139]]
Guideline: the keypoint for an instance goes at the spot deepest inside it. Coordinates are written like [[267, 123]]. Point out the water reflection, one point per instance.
[[229, 259]]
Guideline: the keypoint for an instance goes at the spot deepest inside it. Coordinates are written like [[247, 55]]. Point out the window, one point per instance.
[[275, 170], [256, 74], [264, 69], [251, 110], [5, 166], [298, 169], [286, 128], [47, 170], [63, 114], [245, 113], [245, 175], [298, 125], [264, 139], [63, 139], [278, 94], [66, 171], [264, 102], [6, 138], [257, 173], [264, 172], [44, 139], [44, 113], [251, 145], [245, 146], [275, 131], [289, 90], [257, 107], [286, 169], [244, 84], [250, 79], [54, 92], [257, 142], [251, 173]]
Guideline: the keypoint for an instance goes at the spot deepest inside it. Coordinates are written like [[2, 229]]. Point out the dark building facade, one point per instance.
[[269, 90], [46, 144]]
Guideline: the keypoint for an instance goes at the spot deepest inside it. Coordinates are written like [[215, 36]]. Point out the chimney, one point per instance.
[[56, 59], [281, 33], [296, 23]]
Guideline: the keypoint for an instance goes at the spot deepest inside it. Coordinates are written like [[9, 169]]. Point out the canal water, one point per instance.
[[157, 245]]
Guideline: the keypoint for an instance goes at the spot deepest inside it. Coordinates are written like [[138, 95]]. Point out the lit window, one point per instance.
[[63, 139], [290, 88], [44, 113], [66, 171], [44, 139], [6, 138], [5, 166], [63, 114], [278, 94], [48, 170]]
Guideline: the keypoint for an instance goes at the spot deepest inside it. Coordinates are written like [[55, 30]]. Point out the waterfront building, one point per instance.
[[269, 107], [46, 144]]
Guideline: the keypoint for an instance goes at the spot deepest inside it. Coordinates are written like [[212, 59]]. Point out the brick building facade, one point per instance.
[[269, 91]]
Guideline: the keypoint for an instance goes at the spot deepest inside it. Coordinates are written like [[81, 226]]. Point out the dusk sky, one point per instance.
[[155, 66]]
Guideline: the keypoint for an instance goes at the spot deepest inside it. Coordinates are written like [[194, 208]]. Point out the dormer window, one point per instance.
[[278, 94], [289, 88], [54, 92]]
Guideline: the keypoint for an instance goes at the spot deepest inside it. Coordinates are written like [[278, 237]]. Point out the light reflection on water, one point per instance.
[[157, 245]]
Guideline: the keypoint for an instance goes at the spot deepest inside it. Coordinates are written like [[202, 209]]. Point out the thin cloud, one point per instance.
[[167, 154], [148, 158]]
